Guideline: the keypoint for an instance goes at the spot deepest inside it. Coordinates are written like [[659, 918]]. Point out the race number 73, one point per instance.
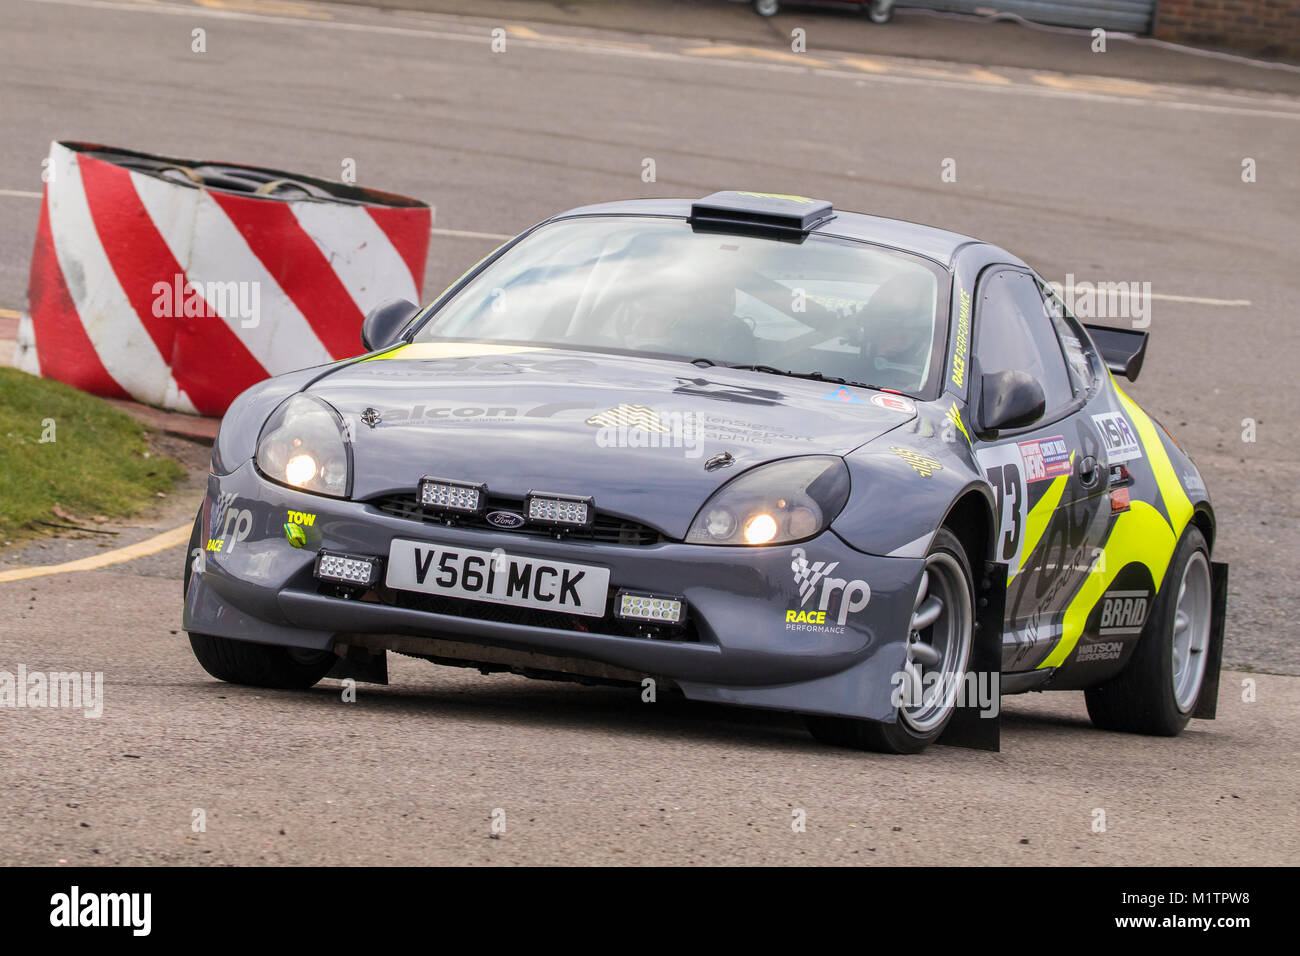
[[1003, 469], [1006, 483]]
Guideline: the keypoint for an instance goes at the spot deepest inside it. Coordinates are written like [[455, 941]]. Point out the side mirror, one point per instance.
[[1010, 400], [382, 325]]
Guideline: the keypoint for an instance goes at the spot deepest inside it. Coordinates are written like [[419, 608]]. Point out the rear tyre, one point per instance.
[[939, 648], [258, 665], [766, 8], [1159, 687]]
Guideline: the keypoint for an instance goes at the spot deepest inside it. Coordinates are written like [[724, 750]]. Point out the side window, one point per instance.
[[1014, 333], [1084, 365]]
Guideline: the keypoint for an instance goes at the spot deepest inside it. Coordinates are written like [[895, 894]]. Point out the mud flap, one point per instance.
[[360, 664], [972, 726], [1208, 702]]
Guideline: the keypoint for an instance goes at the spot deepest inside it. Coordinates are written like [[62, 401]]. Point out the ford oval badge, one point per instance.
[[506, 520]]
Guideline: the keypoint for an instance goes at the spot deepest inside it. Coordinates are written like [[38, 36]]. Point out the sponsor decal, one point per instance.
[[923, 465], [304, 518], [1192, 482], [1045, 458], [506, 520], [1123, 612], [1103, 651], [720, 428], [1120, 500], [727, 392], [1121, 440], [235, 523], [638, 426], [630, 416], [954, 416], [839, 597], [961, 342], [895, 403], [844, 396]]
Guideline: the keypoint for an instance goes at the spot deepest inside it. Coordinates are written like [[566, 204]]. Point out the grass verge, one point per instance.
[[63, 449]]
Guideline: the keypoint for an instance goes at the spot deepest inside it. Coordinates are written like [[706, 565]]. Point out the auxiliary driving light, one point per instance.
[[572, 511], [650, 607], [347, 569], [462, 496]]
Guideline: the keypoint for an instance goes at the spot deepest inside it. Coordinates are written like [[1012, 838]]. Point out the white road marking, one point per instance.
[[1198, 300], [571, 45]]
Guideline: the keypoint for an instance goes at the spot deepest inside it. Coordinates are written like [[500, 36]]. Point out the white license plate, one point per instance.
[[497, 577]]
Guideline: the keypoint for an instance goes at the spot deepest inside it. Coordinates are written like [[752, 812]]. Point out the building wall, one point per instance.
[[1268, 28]]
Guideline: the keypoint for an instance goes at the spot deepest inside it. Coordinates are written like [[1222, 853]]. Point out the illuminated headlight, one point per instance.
[[783, 501], [568, 510], [649, 607], [347, 569], [445, 495], [304, 444]]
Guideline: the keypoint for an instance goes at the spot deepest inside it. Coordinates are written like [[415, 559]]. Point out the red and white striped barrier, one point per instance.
[[148, 284]]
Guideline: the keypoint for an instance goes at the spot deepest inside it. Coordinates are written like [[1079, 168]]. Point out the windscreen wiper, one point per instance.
[[815, 376]]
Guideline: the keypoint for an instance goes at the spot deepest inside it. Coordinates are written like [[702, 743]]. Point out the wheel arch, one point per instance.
[[971, 519], [1203, 519]]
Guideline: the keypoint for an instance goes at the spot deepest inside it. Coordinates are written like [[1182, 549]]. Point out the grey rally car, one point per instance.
[[753, 448]]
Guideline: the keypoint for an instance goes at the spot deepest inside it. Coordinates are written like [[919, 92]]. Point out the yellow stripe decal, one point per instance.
[[448, 350], [1177, 503], [1139, 535], [1039, 517]]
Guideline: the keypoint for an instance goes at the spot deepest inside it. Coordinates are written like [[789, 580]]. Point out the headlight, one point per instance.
[[303, 445], [776, 503]]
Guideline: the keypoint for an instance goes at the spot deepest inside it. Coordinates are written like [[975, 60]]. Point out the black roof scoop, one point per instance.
[[766, 214]]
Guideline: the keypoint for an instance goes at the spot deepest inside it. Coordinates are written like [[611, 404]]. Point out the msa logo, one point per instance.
[[1121, 441], [1123, 612]]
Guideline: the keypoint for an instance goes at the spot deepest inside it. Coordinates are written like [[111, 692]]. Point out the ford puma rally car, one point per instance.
[[751, 448]]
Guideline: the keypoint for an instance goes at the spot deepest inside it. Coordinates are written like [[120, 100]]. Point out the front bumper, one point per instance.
[[253, 584]]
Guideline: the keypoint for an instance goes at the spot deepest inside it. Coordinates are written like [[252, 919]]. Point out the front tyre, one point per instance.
[[260, 665], [938, 652], [1158, 688]]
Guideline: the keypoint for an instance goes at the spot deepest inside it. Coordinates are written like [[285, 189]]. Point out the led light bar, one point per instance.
[[443, 495], [650, 607], [347, 569], [573, 511]]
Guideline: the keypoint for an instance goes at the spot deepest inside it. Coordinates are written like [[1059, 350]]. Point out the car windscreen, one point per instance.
[[655, 286]]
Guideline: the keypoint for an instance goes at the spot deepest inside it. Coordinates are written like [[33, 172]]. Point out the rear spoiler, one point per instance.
[[1123, 350]]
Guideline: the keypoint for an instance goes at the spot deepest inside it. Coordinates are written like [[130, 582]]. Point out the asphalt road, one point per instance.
[[1108, 178]]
